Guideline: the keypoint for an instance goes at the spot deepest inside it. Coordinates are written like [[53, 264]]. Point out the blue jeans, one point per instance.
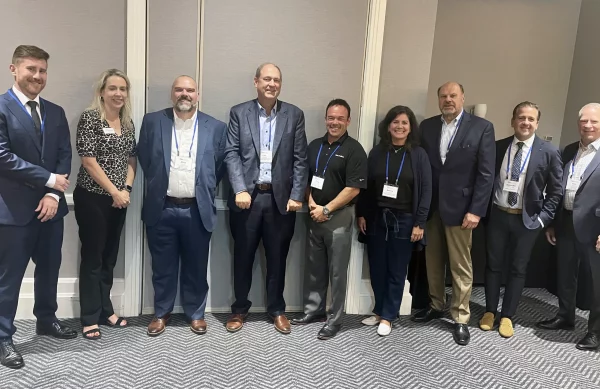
[[389, 249]]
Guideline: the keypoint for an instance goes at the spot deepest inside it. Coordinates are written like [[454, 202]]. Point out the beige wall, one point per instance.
[[406, 59], [505, 52], [585, 72]]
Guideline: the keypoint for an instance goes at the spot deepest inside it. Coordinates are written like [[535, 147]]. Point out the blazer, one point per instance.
[[289, 172], [544, 173], [366, 205], [464, 182], [26, 162], [154, 154]]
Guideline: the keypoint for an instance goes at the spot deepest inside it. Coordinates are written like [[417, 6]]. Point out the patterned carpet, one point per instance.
[[413, 356]]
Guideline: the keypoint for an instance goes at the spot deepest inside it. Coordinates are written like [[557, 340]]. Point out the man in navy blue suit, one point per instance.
[[181, 151], [268, 171], [461, 149], [35, 162], [526, 167]]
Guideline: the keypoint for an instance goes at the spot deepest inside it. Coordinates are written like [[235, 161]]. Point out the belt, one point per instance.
[[263, 186], [512, 211], [181, 200]]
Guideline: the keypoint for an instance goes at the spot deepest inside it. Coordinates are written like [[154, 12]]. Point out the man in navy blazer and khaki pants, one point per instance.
[[461, 149], [268, 171], [181, 151], [35, 161]]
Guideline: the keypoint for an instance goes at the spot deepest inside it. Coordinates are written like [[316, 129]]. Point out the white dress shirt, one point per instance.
[[500, 195], [24, 100], [582, 160], [448, 134], [182, 175]]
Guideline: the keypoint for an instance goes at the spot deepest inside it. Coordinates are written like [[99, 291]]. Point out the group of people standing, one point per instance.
[[425, 185]]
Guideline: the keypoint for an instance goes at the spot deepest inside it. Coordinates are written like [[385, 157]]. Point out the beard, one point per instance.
[[184, 105]]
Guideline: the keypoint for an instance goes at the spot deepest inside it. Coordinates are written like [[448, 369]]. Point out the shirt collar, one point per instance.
[[263, 111], [527, 142], [340, 141], [595, 144], [456, 119], [181, 123], [24, 99]]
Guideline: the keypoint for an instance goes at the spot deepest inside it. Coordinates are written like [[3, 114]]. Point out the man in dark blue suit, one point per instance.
[[181, 151], [526, 167], [268, 171], [461, 150], [35, 161]]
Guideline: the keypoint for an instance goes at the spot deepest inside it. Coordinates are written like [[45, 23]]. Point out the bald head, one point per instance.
[[184, 94], [451, 98], [589, 123]]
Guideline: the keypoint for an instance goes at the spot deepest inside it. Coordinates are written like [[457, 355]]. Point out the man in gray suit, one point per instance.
[[577, 227], [266, 160]]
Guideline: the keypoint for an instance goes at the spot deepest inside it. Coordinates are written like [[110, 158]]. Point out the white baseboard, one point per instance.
[[366, 300], [67, 298], [179, 309]]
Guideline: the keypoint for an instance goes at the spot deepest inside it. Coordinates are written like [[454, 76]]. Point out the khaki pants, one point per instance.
[[452, 245]]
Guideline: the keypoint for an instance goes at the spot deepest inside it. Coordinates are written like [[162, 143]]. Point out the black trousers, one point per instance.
[[262, 221], [509, 242], [100, 227]]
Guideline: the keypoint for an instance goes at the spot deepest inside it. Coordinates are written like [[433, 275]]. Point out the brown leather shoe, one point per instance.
[[198, 326], [157, 325], [235, 322], [282, 324]]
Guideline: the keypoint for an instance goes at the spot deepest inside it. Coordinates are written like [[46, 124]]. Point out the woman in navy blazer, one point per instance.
[[392, 211]]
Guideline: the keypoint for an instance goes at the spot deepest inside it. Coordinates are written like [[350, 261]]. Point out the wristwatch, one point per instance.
[[128, 188], [325, 211]]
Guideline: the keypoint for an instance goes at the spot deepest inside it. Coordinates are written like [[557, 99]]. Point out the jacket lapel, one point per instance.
[[252, 117], [438, 138], [166, 127], [202, 136], [25, 120], [461, 132], [282, 117], [590, 168], [500, 154], [534, 159]]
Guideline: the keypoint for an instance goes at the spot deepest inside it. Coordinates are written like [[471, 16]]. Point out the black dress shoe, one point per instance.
[[427, 314], [56, 330], [9, 356], [557, 323], [328, 331], [589, 342], [461, 334], [307, 319]]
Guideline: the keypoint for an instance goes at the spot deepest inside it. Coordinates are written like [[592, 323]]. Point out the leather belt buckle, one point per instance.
[[263, 186]]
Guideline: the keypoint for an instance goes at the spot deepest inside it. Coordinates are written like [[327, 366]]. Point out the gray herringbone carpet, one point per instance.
[[413, 356]]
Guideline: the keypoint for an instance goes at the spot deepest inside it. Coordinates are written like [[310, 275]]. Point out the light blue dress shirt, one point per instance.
[[267, 125]]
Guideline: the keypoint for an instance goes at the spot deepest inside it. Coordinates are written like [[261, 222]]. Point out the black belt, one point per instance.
[[263, 186], [181, 200]]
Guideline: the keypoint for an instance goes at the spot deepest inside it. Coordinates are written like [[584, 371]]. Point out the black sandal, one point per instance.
[[117, 323], [88, 332]]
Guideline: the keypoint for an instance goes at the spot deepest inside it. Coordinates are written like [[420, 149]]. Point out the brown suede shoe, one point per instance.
[[282, 324], [157, 325], [235, 322], [198, 326]]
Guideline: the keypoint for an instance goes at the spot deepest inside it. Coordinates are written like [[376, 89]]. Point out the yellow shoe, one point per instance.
[[506, 328], [487, 321]]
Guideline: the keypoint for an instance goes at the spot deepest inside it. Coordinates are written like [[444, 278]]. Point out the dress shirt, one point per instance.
[[24, 100], [582, 160], [182, 175], [448, 133], [267, 125]]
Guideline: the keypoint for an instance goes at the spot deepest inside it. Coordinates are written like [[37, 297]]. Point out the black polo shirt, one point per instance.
[[347, 167]]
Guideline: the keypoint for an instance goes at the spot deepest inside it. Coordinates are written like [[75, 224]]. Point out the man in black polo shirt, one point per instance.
[[338, 170]]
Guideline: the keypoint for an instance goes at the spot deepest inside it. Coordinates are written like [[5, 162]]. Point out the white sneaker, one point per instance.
[[371, 321], [384, 329]]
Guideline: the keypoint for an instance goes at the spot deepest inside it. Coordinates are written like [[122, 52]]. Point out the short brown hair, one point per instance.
[[526, 104], [28, 51]]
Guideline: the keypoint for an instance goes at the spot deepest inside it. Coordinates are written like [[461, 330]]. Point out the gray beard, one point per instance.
[[180, 106]]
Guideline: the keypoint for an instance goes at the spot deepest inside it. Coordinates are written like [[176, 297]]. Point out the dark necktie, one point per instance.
[[515, 172], [36, 118]]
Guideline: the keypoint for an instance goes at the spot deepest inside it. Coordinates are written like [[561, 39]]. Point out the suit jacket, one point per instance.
[[154, 154], [464, 182], [544, 172], [289, 171], [367, 200], [26, 162], [586, 206]]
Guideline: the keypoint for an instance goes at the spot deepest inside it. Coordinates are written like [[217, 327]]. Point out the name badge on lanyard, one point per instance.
[[573, 182], [108, 130], [182, 162], [266, 156], [318, 181], [389, 190], [511, 185]]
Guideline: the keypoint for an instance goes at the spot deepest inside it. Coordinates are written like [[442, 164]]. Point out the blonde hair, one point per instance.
[[98, 104]]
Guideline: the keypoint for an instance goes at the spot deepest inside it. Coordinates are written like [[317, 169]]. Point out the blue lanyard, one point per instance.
[[387, 163], [327, 163], [193, 136], [455, 131], [12, 94], [270, 127], [522, 165]]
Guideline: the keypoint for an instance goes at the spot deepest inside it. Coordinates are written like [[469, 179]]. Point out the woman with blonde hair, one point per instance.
[[106, 144]]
